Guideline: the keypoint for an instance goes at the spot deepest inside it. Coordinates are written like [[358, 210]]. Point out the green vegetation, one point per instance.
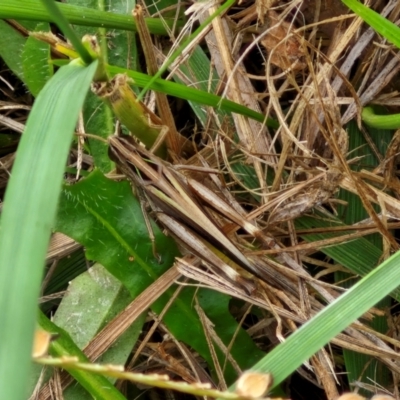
[[259, 206]]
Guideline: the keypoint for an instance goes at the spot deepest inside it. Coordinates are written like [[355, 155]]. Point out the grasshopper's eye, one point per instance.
[[253, 385]]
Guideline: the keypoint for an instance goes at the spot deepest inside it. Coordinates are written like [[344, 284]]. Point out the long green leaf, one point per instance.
[[191, 94], [28, 213], [199, 96], [382, 25], [34, 10], [333, 319]]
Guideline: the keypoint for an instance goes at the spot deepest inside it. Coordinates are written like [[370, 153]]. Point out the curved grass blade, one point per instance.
[[28, 213], [333, 319], [373, 120]]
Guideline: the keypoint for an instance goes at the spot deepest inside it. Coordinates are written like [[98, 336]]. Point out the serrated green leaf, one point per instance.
[[104, 216], [36, 65], [11, 44]]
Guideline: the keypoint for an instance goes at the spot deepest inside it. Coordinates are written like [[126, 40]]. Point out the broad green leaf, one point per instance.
[[28, 214], [104, 216], [92, 300], [98, 120], [36, 62]]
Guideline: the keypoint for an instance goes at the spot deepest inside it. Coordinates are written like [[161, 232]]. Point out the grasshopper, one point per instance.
[[182, 205]]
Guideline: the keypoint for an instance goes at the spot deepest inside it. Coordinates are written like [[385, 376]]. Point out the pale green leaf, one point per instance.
[[28, 214]]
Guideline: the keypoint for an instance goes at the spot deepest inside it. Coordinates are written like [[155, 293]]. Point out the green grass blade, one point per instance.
[[97, 385], [58, 17], [191, 94], [28, 214], [382, 25], [333, 319], [182, 47], [363, 367], [34, 10]]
